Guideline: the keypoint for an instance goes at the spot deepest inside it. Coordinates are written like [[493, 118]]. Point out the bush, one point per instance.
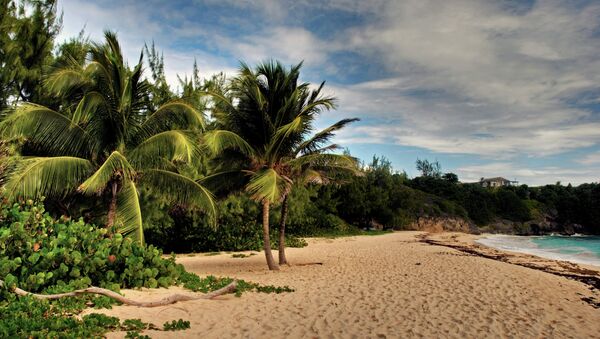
[[44, 255], [183, 231], [38, 252], [239, 228], [510, 206]]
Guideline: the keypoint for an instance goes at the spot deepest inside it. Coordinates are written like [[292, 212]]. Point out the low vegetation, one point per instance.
[[45, 255]]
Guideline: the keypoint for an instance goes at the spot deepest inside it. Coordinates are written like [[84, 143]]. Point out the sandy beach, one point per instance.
[[382, 286]]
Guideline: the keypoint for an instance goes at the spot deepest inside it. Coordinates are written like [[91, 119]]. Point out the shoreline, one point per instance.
[[586, 274], [391, 285], [486, 239]]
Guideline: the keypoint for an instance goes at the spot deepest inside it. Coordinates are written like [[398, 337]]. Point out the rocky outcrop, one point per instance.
[[545, 224], [441, 224]]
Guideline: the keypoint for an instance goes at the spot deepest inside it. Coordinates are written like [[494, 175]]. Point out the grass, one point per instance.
[[209, 254]]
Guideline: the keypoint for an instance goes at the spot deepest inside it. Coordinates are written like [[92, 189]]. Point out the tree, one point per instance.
[[160, 91], [27, 34], [104, 142], [429, 169], [320, 169], [450, 177], [262, 128]]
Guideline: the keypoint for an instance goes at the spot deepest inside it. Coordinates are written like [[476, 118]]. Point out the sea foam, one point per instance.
[[579, 249]]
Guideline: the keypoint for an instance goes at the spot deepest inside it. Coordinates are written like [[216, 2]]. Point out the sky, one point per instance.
[[487, 88]]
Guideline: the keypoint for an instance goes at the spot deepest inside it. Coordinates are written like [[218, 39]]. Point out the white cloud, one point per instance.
[[288, 44], [135, 27], [462, 69], [591, 159]]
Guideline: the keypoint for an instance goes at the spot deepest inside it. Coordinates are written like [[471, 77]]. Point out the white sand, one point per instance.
[[378, 286]]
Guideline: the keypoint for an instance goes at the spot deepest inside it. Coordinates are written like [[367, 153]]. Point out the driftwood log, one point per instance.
[[171, 299]]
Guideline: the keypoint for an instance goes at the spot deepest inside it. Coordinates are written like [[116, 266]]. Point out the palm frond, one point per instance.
[[172, 146], [46, 176], [180, 189], [313, 177], [323, 136], [129, 213], [219, 98], [282, 134], [219, 140], [66, 80], [325, 161], [173, 115], [223, 180], [268, 185], [89, 107], [115, 165], [46, 130]]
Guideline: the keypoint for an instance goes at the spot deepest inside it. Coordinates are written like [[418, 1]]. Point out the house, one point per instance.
[[496, 182]]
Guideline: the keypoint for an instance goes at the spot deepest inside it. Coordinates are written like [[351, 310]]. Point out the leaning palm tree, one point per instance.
[[262, 125], [103, 141], [315, 166]]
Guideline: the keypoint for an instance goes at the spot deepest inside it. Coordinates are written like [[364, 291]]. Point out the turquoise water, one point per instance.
[[579, 249]]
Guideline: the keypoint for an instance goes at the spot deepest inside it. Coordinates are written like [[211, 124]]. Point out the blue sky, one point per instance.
[[488, 88]]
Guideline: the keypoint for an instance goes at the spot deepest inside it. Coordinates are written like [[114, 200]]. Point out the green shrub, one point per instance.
[[39, 253], [238, 228], [45, 255]]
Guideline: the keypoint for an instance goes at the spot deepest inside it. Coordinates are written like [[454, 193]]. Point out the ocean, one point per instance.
[[579, 249]]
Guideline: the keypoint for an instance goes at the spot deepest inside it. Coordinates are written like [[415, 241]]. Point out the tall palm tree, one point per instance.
[[104, 141], [262, 125], [315, 166]]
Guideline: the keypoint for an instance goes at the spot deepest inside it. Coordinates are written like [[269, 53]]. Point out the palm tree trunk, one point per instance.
[[284, 214], [266, 238], [112, 207]]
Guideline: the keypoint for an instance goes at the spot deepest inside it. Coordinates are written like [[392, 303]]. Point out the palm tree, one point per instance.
[[104, 141], [315, 166], [264, 119]]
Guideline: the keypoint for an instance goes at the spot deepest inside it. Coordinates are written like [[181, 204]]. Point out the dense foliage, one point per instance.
[[45, 255], [39, 253]]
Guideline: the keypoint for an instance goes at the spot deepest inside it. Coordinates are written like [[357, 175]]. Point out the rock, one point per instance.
[[441, 224]]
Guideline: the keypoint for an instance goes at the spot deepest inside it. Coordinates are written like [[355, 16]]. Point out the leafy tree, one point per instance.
[[104, 142], [319, 169], [450, 177], [267, 123], [510, 206], [429, 169], [27, 34], [72, 51], [160, 91]]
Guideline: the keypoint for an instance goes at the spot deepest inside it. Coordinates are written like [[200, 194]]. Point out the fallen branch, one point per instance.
[[113, 295]]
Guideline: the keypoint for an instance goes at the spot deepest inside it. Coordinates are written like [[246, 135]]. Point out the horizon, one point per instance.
[[486, 89]]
